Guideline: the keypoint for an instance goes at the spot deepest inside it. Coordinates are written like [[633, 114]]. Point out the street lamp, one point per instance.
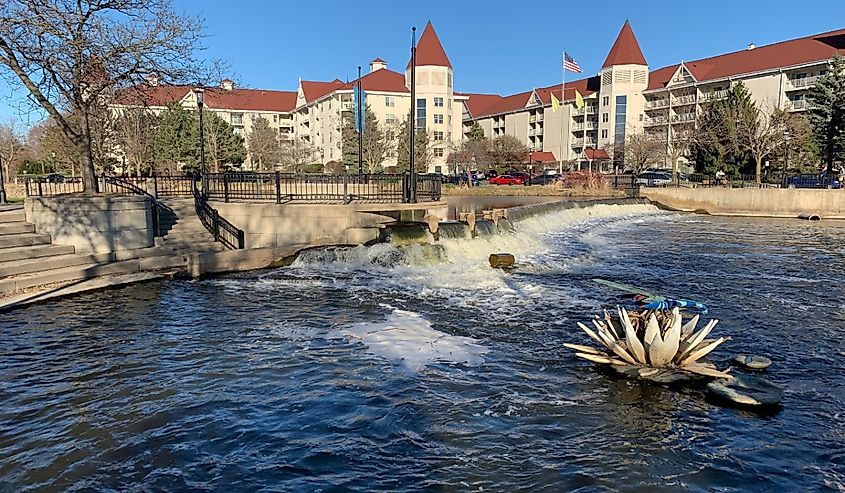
[[530, 166], [2, 184], [786, 138], [200, 93]]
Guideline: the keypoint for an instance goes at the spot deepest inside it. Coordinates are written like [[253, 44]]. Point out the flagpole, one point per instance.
[[562, 99]]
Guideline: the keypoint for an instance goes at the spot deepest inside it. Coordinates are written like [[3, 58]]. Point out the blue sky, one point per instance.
[[495, 46]]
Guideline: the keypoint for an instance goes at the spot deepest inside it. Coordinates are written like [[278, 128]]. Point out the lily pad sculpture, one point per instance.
[[652, 345]]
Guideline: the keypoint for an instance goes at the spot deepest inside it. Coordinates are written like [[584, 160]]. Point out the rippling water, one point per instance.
[[421, 369]]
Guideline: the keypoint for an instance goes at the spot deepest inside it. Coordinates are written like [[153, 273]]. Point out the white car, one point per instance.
[[654, 179]]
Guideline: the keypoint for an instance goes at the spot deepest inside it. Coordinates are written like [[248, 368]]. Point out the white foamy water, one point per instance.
[[408, 338]]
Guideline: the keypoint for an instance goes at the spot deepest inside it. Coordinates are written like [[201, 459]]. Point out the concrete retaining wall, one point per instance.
[[272, 225], [828, 204], [93, 224]]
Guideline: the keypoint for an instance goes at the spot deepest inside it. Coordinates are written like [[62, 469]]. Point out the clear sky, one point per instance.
[[495, 46]]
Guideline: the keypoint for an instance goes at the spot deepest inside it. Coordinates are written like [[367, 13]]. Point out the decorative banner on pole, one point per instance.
[[360, 105]]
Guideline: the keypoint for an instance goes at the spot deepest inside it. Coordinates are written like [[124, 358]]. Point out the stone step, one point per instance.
[[27, 266], [75, 273], [12, 216], [10, 228], [27, 239], [35, 251], [173, 261]]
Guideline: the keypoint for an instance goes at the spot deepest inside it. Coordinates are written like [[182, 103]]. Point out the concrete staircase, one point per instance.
[[184, 232]]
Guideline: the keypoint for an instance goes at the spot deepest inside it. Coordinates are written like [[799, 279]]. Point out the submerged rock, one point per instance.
[[752, 362], [746, 391], [501, 260]]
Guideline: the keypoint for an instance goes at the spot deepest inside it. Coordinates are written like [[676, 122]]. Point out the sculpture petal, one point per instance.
[[592, 334], [652, 328], [582, 349], [600, 359], [631, 340], [701, 352], [707, 371], [689, 327], [694, 340]]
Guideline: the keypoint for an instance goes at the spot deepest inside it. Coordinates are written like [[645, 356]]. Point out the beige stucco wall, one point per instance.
[[828, 204], [93, 224]]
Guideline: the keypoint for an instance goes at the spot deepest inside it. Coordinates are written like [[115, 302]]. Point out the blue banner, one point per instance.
[[360, 112]]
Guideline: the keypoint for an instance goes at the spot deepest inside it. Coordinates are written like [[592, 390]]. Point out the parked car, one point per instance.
[[505, 180], [55, 178], [460, 179], [813, 181], [654, 179], [544, 179]]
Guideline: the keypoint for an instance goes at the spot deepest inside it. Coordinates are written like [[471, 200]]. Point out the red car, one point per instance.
[[505, 180]]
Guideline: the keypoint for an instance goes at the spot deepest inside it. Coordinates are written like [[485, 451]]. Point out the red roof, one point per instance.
[[429, 49], [313, 89], [215, 97], [596, 154], [250, 100], [380, 80], [584, 86], [147, 95], [477, 104], [810, 49], [540, 157], [481, 105], [378, 60], [626, 49]]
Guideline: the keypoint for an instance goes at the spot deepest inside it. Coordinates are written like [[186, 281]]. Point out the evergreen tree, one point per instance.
[[373, 142], [476, 132], [172, 150], [827, 113], [422, 150], [718, 144]]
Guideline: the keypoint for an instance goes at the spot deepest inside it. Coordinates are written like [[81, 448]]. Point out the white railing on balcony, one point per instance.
[[578, 111], [682, 100], [578, 126], [540, 117], [539, 131], [799, 104], [804, 82], [714, 95], [592, 124], [683, 117], [530, 131], [657, 103], [592, 109], [657, 120], [346, 106], [532, 118]]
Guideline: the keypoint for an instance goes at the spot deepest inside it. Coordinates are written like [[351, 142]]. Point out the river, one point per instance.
[[421, 369]]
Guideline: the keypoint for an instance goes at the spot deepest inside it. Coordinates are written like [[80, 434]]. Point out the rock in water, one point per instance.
[[501, 260], [746, 390], [752, 362]]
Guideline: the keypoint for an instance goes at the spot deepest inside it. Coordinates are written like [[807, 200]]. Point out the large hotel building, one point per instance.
[[624, 97]]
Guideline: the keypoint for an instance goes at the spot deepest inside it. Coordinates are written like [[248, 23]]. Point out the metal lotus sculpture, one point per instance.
[[653, 345]]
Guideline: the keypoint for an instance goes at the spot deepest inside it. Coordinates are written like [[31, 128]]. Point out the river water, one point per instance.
[[421, 369]]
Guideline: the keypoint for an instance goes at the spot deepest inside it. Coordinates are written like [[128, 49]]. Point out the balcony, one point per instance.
[[714, 95], [346, 106], [540, 117], [657, 103], [657, 120], [683, 117], [592, 109], [578, 111], [804, 82], [539, 131], [683, 100], [531, 131], [577, 126], [592, 124], [532, 118], [798, 104]]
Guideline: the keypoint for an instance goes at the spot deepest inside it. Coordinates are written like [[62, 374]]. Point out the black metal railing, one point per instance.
[[173, 185], [116, 185], [284, 188], [221, 229], [48, 187]]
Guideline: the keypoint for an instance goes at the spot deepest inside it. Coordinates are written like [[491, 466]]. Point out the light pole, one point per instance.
[[530, 166], [200, 102], [2, 184], [413, 185], [786, 139]]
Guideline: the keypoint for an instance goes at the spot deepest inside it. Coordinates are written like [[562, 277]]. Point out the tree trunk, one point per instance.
[[674, 170], [86, 159], [758, 161]]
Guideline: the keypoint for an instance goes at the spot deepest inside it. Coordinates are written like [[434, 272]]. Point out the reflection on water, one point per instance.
[[266, 381]]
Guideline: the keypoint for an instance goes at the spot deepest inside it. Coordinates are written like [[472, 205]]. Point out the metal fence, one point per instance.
[[285, 188], [220, 228], [173, 185]]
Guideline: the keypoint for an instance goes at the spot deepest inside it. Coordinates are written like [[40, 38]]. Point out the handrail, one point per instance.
[[222, 230], [157, 206]]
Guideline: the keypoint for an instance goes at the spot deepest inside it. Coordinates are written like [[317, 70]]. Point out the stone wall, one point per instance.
[[828, 204], [93, 224]]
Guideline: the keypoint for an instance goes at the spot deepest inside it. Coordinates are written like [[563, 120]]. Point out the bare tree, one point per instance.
[[507, 150], [296, 154], [135, 130], [639, 151], [69, 54], [761, 132], [678, 145], [12, 146], [262, 143]]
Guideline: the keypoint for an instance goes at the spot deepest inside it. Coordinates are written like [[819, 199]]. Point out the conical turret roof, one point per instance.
[[626, 49], [429, 49]]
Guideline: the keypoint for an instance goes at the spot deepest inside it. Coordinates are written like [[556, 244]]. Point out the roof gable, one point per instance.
[[381, 80], [625, 50], [429, 49], [312, 89]]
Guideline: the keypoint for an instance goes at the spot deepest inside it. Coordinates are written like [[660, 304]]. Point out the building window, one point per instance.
[[238, 131], [438, 135], [421, 114], [389, 101], [438, 102], [604, 118], [438, 152], [605, 100], [390, 119], [275, 118], [604, 133], [388, 135], [237, 119], [438, 118], [621, 119]]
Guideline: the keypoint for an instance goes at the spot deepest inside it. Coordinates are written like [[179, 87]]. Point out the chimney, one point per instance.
[[377, 64], [751, 46], [152, 79], [227, 84]]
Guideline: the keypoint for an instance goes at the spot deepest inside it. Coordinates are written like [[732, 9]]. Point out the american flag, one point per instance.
[[570, 64]]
